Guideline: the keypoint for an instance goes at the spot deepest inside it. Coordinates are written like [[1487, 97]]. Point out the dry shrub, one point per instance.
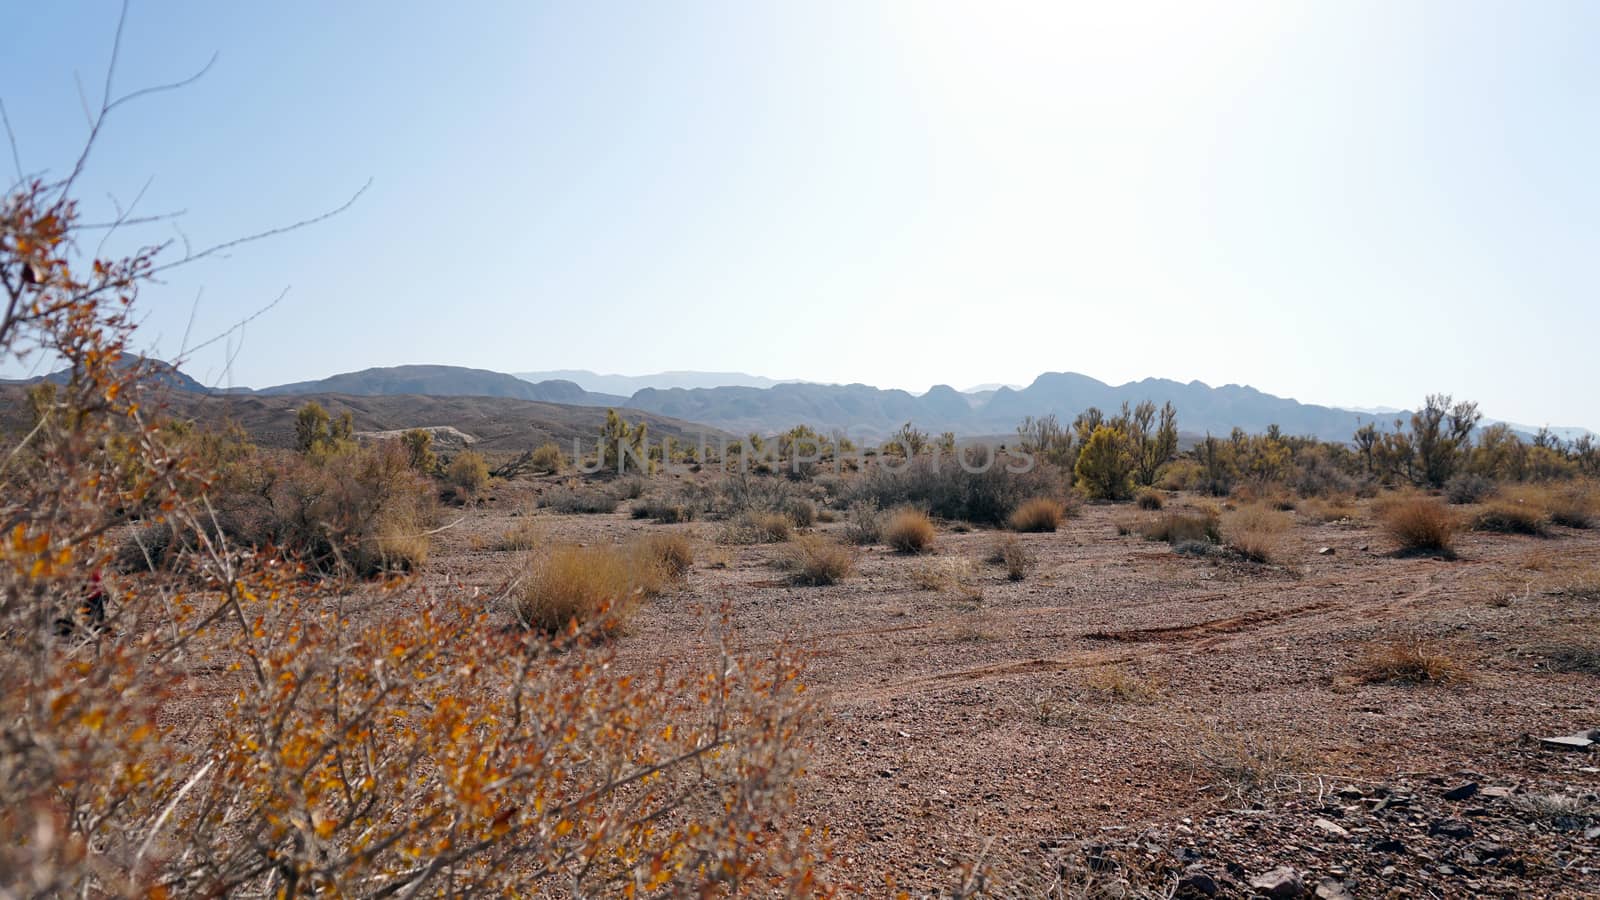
[[803, 513], [673, 552], [663, 510], [547, 458], [524, 535], [1038, 514], [256, 738], [942, 573], [1150, 499], [952, 493], [909, 531], [1256, 533], [1177, 526], [467, 474], [1508, 516], [1249, 764], [816, 559], [1117, 683], [755, 528], [1322, 510], [1420, 524], [591, 586], [574, 500], [1573, 505], [1410, 660], [865, 525], [1010, 552]]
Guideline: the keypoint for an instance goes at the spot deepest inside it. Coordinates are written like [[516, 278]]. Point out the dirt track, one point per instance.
[[1090, 702]]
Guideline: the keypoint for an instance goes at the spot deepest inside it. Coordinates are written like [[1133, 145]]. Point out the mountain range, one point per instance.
[[766, 405]]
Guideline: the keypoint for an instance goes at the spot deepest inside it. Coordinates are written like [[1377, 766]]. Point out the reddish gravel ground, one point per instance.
[[1129, 716]]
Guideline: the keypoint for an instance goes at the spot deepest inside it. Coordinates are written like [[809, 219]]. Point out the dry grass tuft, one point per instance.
[[909, 531], [1118, 684], [817, 559], [1510, 516], [526, 534], [1150, 499], [673, 551], [756, 528], [1572, 505], [1321, 511], [1177, 526], [1420, 525], [567, 584], [942, 574], [1249, 765], [1038, 514], [1256, 533], [1017, 558], [1409, 661]]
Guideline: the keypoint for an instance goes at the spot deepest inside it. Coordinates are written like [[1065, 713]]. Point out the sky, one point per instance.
[[1353, 203]]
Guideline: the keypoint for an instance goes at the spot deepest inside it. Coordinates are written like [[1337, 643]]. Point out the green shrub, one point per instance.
[[547, 458], [1105, 464], [948, 491]]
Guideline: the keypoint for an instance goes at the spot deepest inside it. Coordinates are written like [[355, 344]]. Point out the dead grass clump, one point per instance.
[[572, 500], [597, 585], [1118, 684], [819, 560], [1011, 553], [1420, 525], [524, 535], [1038, 514], [1150, 499], [803, 513], [1574, 505], [941, 574], [1584, 587], [1409, 661], [909, 531], [1247, 764], [662, 510], [756, 528], [865, 525], [673, 551], [1256, 533], [1176, 526], [1321, 511], [1510, 516]]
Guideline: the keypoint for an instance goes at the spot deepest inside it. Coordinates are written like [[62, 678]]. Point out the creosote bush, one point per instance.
[[548, 459], [467, 474], [909, 531], [1038, 514], [1420, 524]]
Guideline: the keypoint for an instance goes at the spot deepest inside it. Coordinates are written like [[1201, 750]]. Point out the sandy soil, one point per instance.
[[1107, 712]]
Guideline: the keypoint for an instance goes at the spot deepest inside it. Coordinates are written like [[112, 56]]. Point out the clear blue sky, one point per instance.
[[1342, 202]]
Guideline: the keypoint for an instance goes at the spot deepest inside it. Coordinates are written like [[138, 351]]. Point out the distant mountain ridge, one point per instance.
[[861, 410], [628, 385]]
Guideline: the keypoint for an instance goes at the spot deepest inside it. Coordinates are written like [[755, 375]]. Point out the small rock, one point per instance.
[[1492, 851], [1333, 889], [1496, 793], [1446, 870], [1451, 828], [1282, 883], [1580, 742], [1196, 882], [1349, 792], [1592, 834], [1325, 551], [1390, 845], [1463, 792], [1331, 828]]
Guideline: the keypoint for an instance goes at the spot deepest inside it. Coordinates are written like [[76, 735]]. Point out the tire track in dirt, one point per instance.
[[1229, 625]]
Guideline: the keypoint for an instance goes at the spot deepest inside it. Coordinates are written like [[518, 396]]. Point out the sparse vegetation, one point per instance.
[[865, 525], [1009, 551], [1510, 517], [1420, 524], [1038, 514], [572, 499], [1177, 526], [816, 559], [1410, 660], [1149, 498], [909, 531], [467, 474], [548, 459], [1256, 533], [670, 551]]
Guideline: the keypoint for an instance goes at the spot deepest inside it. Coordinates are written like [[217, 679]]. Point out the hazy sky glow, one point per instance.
[[1342, 202]]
